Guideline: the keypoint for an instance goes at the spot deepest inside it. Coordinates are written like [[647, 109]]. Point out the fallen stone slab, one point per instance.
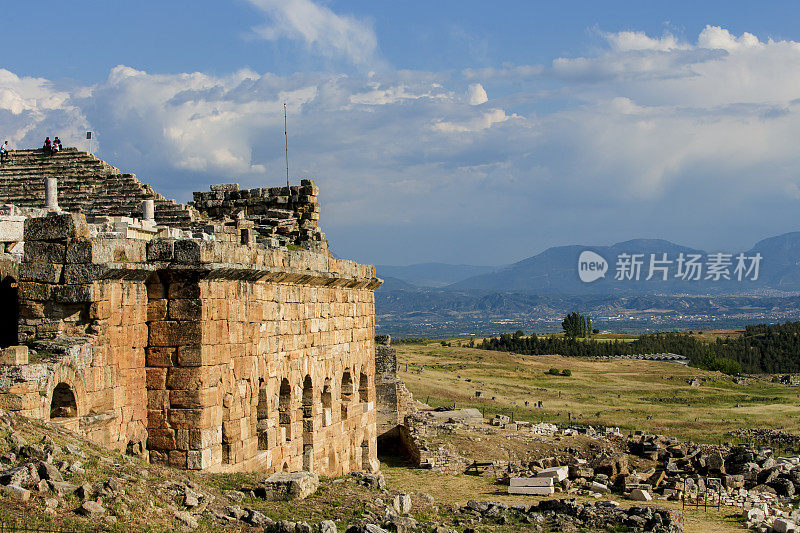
[[783, 525], [16, 492], [640, 495], [558, 473], [291, 485]]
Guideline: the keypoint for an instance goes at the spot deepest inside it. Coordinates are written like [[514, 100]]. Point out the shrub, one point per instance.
[[554, 372], [566, 372]]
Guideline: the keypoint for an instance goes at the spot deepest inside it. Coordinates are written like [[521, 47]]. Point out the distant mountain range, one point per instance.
[[440, 298], [555, 271], [432, 274]]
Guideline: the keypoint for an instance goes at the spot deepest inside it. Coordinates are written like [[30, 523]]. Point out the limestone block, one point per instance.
[[531, 482], [783, 525], [185, 309], [11, 228], [402, 503], [290, 486], [184, 289], [56, 227], [558, 473], [640, 495], [44, 252], [82, 273], [174, 333], [161, 439], [189, 418], [534, 491], [189, 356], [193, 399], [160, 250], [71, 294], [192, 252], [188, 378], [161, 356], [14, 355]]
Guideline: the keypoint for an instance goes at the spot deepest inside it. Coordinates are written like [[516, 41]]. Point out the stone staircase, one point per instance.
[[86, 184]]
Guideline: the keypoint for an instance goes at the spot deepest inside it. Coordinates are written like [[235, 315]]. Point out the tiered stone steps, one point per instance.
[[86, 184]]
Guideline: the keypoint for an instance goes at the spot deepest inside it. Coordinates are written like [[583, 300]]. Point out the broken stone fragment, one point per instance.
[[16, 492], [49, 472], [290, 485], [91, 508]]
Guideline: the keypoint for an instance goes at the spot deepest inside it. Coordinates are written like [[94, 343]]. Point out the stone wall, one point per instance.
[[394, 399], [287, 215], [218, 355]]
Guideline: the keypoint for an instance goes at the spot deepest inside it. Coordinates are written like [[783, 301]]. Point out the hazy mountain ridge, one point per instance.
[[543, 288]]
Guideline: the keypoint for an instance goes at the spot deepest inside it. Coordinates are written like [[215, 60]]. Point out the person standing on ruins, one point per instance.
[[4, 152], [48, 147]]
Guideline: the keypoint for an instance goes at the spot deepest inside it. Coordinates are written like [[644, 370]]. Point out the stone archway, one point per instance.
[[346, 392], [284, 413], [308, 424], [63, 404]]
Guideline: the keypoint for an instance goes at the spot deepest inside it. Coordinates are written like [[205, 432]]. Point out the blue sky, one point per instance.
[[438, 131]]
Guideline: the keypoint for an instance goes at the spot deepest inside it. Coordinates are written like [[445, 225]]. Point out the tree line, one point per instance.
[[700, 354]]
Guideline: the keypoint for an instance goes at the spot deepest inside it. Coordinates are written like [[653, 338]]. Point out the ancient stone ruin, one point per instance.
[[216, 336]]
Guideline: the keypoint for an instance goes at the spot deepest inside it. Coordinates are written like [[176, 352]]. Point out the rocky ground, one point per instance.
[[52, 478]]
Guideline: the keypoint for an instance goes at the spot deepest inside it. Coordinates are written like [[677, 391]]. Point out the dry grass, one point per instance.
[[632, 394]]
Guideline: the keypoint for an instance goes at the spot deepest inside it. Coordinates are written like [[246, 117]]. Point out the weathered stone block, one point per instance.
[[70, 294], [173, 333], [290, 486], [44, 252], [189, 418], [189, 356], [192, 252], [82, 273], [14, 355], [192, 399], [156, 378], [189, 378], [11, 228], [56, 227], [160, 250], [184, 290], [185, 309]]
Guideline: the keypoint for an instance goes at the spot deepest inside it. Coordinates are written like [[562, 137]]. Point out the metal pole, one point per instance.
[[286, 139]]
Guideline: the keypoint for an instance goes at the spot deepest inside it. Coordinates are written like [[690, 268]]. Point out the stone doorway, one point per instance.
[[9, 312], [63, 404]]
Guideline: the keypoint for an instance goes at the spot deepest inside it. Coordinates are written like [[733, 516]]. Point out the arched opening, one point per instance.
[[262, 416], [63, 404], [363, 388], [347, 392], [308, 405], [365, 466], [308, 424], [284, 415], [9, 312], [327, 402]]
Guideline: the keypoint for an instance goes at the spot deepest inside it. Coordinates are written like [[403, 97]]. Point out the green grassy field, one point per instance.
[[630, 394]]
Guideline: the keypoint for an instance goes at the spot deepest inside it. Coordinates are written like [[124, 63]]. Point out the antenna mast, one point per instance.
[[286, 139]]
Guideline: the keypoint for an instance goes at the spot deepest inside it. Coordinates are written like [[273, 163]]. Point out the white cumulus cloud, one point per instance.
[[319, 29], [476, 94]]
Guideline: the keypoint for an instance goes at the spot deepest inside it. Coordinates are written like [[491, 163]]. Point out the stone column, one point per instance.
[[149, 211], [51, 194]]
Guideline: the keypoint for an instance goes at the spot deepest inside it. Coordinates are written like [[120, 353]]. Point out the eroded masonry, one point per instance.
[[216, 336]]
